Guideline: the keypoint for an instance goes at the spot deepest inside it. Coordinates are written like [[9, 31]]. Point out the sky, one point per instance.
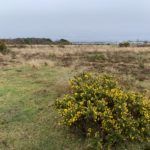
[[76, 20]]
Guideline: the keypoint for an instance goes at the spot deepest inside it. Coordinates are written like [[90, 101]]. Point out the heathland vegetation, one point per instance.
[[95, 111]]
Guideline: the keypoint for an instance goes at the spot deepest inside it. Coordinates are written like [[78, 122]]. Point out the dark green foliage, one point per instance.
[[28, 41], [3, 48], [63, 42], [33, 41], [124, 44]]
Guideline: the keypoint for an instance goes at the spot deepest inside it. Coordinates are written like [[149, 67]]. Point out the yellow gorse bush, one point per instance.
[[99, 107]]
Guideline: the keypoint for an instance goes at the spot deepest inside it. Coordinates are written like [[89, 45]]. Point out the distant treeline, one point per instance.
[[47, 41], [33, 41]]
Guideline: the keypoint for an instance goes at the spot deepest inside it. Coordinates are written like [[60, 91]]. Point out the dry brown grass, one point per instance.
[[37, 63], [101, 57], [42, 51]]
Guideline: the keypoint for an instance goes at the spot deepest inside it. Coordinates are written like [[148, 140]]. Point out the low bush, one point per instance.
[[99, 108], [124, 44], [63, 42], [3, 48]]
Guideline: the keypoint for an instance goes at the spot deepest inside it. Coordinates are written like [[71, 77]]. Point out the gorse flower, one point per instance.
[[99, 107]]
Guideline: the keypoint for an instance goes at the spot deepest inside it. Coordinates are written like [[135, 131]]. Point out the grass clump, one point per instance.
[[100, 109]]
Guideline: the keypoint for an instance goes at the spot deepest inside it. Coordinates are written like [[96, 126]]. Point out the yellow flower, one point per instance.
[[65, 110]]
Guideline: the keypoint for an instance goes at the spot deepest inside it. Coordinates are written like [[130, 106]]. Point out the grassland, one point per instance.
[[33, 77]]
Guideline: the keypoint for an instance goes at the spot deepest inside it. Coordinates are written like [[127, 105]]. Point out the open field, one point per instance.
[[33, 77]]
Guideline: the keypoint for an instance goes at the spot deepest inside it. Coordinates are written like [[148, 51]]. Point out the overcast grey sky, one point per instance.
[[76, 20]]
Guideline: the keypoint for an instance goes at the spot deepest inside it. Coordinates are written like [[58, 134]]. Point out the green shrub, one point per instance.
[[3, 48], [99, 108], [124, 44], [63, 42]]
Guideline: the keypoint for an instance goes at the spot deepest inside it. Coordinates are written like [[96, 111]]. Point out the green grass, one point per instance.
[[27, 119]]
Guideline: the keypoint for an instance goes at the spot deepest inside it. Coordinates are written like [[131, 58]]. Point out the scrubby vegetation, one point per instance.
[[99, 108], [34, 76], [34, 41], [63, 42], [124, 44], [28, 41], [3, 48]]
